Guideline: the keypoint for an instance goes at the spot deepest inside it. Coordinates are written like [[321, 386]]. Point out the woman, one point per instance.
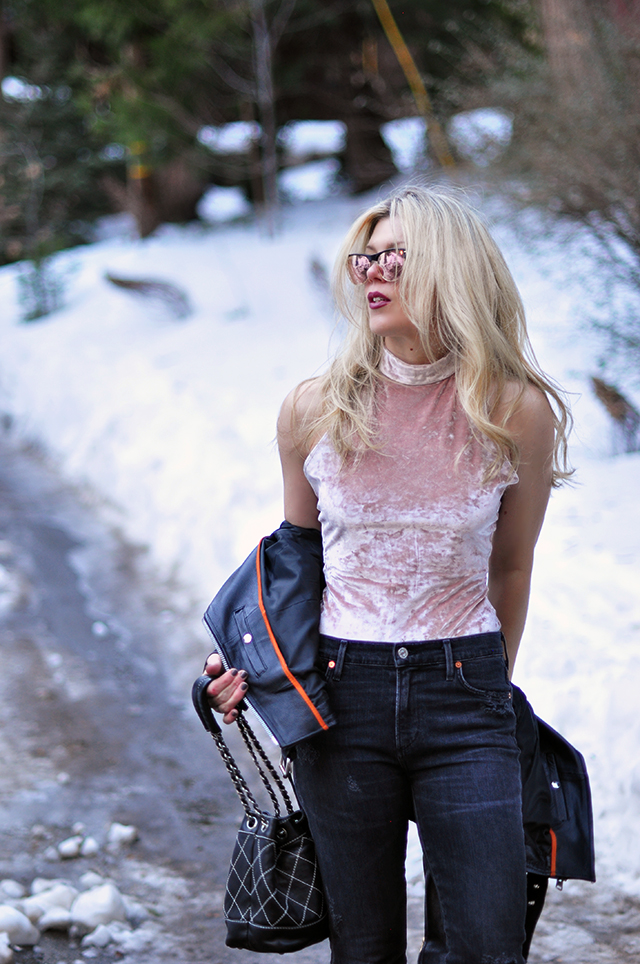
[[426, 456]]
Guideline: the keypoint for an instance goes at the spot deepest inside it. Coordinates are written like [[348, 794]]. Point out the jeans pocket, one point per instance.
[[484, 676]]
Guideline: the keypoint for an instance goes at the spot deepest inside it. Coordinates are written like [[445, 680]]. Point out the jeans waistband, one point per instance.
[[422, 653]]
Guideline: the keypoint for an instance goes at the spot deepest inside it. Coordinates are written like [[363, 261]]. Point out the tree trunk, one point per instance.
[[368, 160], [568, 35], [263, 70]]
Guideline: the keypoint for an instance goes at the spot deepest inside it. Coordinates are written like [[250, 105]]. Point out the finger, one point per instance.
[[221, 687], [213, 665], [225, 692]]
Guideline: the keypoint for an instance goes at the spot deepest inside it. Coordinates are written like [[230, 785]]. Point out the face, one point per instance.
[[387, 316]]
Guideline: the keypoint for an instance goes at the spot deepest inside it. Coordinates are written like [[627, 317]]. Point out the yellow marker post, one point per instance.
[[416, 84]]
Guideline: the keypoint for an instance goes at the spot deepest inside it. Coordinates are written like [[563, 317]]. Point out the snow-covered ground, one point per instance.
[[171, 424]]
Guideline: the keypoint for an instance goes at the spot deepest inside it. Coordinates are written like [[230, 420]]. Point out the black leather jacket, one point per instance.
[[265, 620]]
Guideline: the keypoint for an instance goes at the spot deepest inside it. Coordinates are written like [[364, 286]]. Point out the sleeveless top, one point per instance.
[[406, 528]]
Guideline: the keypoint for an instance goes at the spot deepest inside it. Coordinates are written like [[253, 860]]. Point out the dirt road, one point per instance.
[[96, 726]]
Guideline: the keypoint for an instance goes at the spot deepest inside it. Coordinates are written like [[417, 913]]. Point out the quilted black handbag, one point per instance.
[[274, 900]]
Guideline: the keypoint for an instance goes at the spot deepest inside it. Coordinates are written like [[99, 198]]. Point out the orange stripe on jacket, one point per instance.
[[287, 672], [554, 853]]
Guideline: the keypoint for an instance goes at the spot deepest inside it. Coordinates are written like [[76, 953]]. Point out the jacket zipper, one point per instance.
[[227, 665]]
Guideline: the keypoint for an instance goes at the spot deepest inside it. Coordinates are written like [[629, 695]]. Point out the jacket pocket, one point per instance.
[[249, 646], [558, 802]]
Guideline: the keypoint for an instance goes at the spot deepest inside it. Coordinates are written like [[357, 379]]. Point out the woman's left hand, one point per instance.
[[227, 689]]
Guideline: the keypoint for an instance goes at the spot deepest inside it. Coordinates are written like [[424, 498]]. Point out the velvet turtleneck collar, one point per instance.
[[399, 371]]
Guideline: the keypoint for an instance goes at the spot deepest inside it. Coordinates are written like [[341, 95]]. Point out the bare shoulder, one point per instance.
[[301, 407], [527, 414]]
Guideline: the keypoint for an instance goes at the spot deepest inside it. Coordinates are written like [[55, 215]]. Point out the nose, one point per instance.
[[374, 265]]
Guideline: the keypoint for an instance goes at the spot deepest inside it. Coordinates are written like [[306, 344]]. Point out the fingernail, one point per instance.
[[244, 687], [234, 714], [234, 672], [243, 674]]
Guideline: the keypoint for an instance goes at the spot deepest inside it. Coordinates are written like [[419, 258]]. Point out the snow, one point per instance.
[[13, 88], [300, 138], [230, 138], [171, 425], [405, 138], [481, 135], [310, 182], [223, 204]]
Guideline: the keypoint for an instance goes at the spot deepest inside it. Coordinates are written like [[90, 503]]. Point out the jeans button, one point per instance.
[[403, 652]]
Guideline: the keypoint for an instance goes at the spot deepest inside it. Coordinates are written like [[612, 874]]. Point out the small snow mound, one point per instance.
[[18, 927], [101, 905], [12, 889], [70, 848], [120, 834], [6, 954]]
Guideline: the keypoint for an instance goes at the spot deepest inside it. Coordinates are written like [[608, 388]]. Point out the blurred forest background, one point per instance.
[[123, 105]]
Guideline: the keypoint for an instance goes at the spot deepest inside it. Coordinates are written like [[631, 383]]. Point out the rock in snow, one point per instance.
[[18, 927], [100, 905]]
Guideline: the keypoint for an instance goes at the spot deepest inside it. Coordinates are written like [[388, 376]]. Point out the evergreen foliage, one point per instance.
[[127, 84]]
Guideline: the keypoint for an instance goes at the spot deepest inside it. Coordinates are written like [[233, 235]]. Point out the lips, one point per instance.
[[377, 300]]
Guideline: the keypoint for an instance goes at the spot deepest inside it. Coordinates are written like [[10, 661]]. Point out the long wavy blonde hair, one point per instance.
[[459, 293]]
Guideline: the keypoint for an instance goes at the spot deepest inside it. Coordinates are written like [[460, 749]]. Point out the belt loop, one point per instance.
[[342, 649], [448, 655]]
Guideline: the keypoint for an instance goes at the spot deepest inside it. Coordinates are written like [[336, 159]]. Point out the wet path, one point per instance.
[[96, 724], [96, 659]]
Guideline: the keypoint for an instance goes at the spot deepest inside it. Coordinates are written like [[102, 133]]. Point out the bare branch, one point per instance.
[[233, 79], [280, 21]]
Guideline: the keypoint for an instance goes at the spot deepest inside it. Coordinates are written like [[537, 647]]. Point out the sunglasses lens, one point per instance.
[[359, 264], [391, 263]]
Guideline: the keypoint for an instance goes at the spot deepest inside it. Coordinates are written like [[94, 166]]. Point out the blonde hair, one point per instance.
[[459, 293]]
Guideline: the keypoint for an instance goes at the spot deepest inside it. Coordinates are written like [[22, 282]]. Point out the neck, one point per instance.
[[411, 351]]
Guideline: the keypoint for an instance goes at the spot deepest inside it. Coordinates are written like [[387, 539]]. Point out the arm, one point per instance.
[[228, 688], [521, 515], [300, 502]]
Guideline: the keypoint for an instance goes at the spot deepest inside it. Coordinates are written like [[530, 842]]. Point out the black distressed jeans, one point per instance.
[[425, 730]]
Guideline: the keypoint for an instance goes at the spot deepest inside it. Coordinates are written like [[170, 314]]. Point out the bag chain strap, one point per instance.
[[255, 748], [253, 744], [247, 799]]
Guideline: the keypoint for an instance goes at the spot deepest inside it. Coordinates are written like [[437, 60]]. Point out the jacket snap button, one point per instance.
[[247, 638], [403, 652]]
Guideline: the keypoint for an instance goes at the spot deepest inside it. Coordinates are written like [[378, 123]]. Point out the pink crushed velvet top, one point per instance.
[[407, 532]]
